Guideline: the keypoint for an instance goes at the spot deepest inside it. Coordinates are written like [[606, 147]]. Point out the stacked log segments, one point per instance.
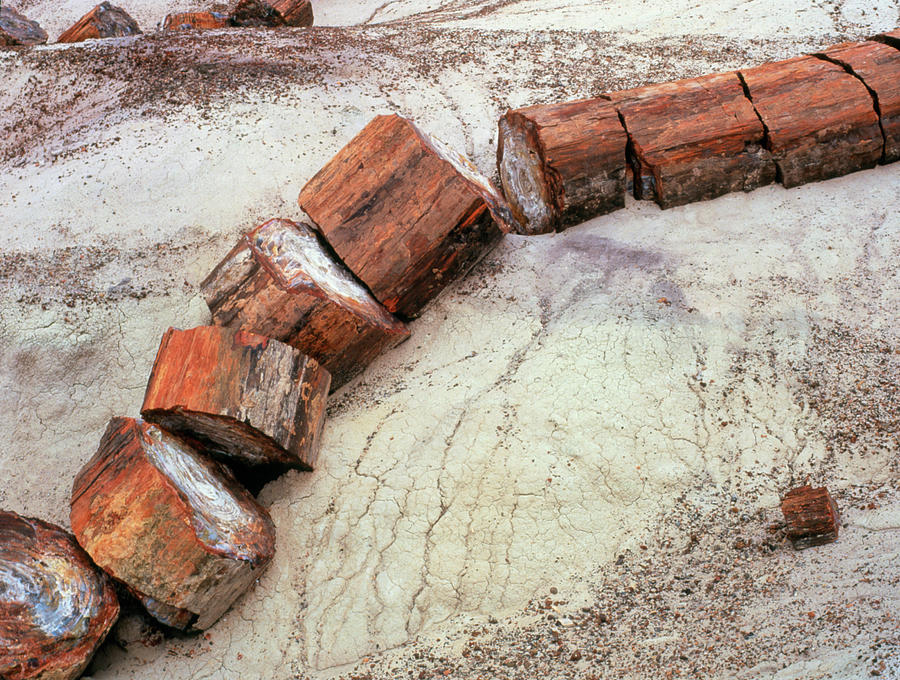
[[56, 607], [245, 397], [404, 213], [16, 30], [194, 20], [104, 21], [272, 14], [811, 517], [170, 524], [281, 281]]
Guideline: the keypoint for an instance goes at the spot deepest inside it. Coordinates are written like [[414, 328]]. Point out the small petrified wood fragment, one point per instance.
[[194, 20], [820, 120], [245, 397], [295, 13], [692, 140], [811, 517], [16, 30], [562, 164], [405, 213], [170, 524], [878, 67], [104, 21], [56, 607], [282, 282]]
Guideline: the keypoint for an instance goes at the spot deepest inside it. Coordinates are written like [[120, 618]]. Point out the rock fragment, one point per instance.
[[811, 517], [194, 20], [16, 30], [104, 21]]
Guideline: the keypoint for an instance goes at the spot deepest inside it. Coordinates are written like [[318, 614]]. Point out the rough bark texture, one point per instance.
[[196, 20], [406, 214], [170, 524], [562, 164], [104, 21], [878, 66], [820, 120], [294, 12], [56, 607], [272, 14], [811, 517], [692, 140], [282, 282], [245, 397], [16, 30]]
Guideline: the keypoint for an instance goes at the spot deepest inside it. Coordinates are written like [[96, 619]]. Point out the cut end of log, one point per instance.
[[522, 177], [194, 20], [16, 30], [811, 517], [104, 21]]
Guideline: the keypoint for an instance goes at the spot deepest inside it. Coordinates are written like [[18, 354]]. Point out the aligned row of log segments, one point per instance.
[[194, 20], [811, 517], [172, 525], [17, 30], [104, 21], [56, 607], [241, 396]]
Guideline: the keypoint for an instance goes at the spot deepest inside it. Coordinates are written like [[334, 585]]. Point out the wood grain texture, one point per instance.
[[170, 524], [562, 164], [811, 517], [693, 140], [194, 20], [404, 213], [243, 396], [56, 607], [820, 120], [272, 14], [16, 30], [104, 21]]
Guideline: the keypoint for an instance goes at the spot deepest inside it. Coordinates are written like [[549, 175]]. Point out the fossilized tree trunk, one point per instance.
[[104, 21], [16, 30], [194, 20], [272, 14], [811, 516]]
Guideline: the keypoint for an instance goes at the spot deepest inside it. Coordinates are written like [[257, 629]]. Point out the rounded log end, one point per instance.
[[522, 178]]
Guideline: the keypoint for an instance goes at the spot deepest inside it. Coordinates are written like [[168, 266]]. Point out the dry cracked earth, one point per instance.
[[573, 468]]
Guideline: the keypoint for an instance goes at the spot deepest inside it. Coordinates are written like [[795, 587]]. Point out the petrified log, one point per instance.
[[562, 164], [405, 213], [692, 140], [16, 30], [282, 282], [245, 397], [104, 21], [194, 20], [172, 525], [820, 120], [811, 517], [56, 607], [878, 67], [272, 14]]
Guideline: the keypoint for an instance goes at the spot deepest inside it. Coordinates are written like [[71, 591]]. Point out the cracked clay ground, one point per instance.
[[573, 468]]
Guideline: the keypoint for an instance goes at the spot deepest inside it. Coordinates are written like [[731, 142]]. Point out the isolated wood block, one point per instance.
[[282, 282], [56, 607], [170, 524], [820, 120], [272, 14], [811, 517], [16, 30], [245, 397], [194, 20], [405, 213], [104, 21], [878, 66], [562, 164], [692, 140]]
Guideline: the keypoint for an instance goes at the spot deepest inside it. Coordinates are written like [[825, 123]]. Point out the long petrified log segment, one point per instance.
[[404, 213], [562, 164], [16, 30], [280, 281], [811, 517], [245, 397], [272, 14], [693, 140], [194, 20], [820, 120], [878, 66], [104, 21], [171, 524], [55, 606]]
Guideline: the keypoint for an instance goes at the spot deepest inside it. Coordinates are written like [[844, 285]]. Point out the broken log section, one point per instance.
[[56, 607], [241, 395], [104, 21], [294, 13], [170, 524], [194, 20], [404, 213], [281, 281], [811, 517], [16, 30]]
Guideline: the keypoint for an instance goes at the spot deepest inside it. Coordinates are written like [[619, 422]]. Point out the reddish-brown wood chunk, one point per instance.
[[170, 524], [194, 20], [245, 397], [104, 21], [297, 13], [16, 30], [282, 282], [811, 517], [820, 120], [405, 213], [562, 164], [273, 13], [692, 140], [878, 66], [56, 607]]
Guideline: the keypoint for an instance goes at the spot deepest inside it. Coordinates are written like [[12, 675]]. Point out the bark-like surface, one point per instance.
[[16, 30], [405, 213], [244, 396], [196, 20], [820, 120], [170, 524], [811, 517], [104, 21], [272, 14], [56, 607], [281, 281]]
